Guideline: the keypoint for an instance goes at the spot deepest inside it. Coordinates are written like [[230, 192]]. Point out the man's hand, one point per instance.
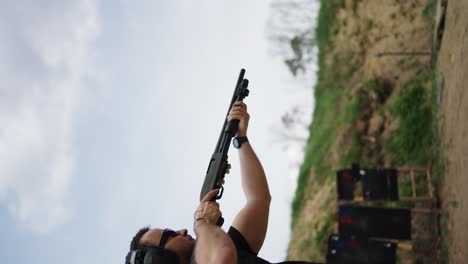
[[213, 244], [208, 211], [239, 112]]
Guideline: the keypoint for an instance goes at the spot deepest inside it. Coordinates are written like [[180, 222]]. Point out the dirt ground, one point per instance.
[[453, 66], [370, 27]]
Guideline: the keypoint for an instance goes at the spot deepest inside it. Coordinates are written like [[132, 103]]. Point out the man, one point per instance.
[[245, 236]]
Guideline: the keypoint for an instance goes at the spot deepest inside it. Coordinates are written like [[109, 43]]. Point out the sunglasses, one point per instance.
[[167, 233]]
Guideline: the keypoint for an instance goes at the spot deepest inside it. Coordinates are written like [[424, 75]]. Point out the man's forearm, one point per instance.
[[254, 182], [213, 245]]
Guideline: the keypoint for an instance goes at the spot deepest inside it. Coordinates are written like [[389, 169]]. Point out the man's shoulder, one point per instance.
[[239, 240], [245, 255]]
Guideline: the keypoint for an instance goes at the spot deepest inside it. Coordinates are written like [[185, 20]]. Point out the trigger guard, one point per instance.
[[220, 194]]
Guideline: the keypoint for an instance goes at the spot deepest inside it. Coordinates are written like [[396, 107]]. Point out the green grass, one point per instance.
[[417, 140], [405, 189], [323, 233], [381, 88], [358, 152], [429, 8], [327, 92], [412, 143], [369, 24], [326, 22], [352, 110], [350, 156], [328, 117], [322, 134]]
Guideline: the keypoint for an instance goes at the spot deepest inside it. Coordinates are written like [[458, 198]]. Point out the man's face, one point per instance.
[[181, 242]]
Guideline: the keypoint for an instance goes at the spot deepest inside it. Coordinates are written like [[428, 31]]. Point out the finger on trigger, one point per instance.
[[210, 195]]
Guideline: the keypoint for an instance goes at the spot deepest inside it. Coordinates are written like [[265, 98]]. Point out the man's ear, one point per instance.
[[156, 255]]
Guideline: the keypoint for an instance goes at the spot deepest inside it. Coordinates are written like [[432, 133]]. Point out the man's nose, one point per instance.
[[183, 232]]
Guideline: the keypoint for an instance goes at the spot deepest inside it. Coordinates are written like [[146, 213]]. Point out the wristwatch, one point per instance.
[[238, 141]]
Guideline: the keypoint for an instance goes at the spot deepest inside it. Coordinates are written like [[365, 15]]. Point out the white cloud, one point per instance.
[[45, 49]]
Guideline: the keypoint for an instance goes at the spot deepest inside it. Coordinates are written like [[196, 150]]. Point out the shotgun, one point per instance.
[[219, 165]]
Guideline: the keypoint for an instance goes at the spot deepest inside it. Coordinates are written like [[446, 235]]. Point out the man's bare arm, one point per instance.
[[252, 220], [213, 244]]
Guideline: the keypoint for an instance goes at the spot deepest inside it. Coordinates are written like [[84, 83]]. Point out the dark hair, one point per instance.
[[156, 255], [136, 244]]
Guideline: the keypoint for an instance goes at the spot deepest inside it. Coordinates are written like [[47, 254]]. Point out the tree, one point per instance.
[[290, 30]]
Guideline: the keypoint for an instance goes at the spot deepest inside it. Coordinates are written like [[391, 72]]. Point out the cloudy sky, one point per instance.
[[110, 111]]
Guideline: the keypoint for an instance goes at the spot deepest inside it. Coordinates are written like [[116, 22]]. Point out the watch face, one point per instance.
[[235, 142]]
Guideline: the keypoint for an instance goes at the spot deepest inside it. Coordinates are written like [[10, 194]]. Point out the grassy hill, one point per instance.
[[372, 110]]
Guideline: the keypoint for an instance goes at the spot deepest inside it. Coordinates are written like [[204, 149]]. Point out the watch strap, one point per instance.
[[241, 140]]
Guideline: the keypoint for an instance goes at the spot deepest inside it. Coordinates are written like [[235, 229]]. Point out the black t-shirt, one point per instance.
[[245, 255]]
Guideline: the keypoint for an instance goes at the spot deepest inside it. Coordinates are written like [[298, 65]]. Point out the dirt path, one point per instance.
[[453, 65]]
